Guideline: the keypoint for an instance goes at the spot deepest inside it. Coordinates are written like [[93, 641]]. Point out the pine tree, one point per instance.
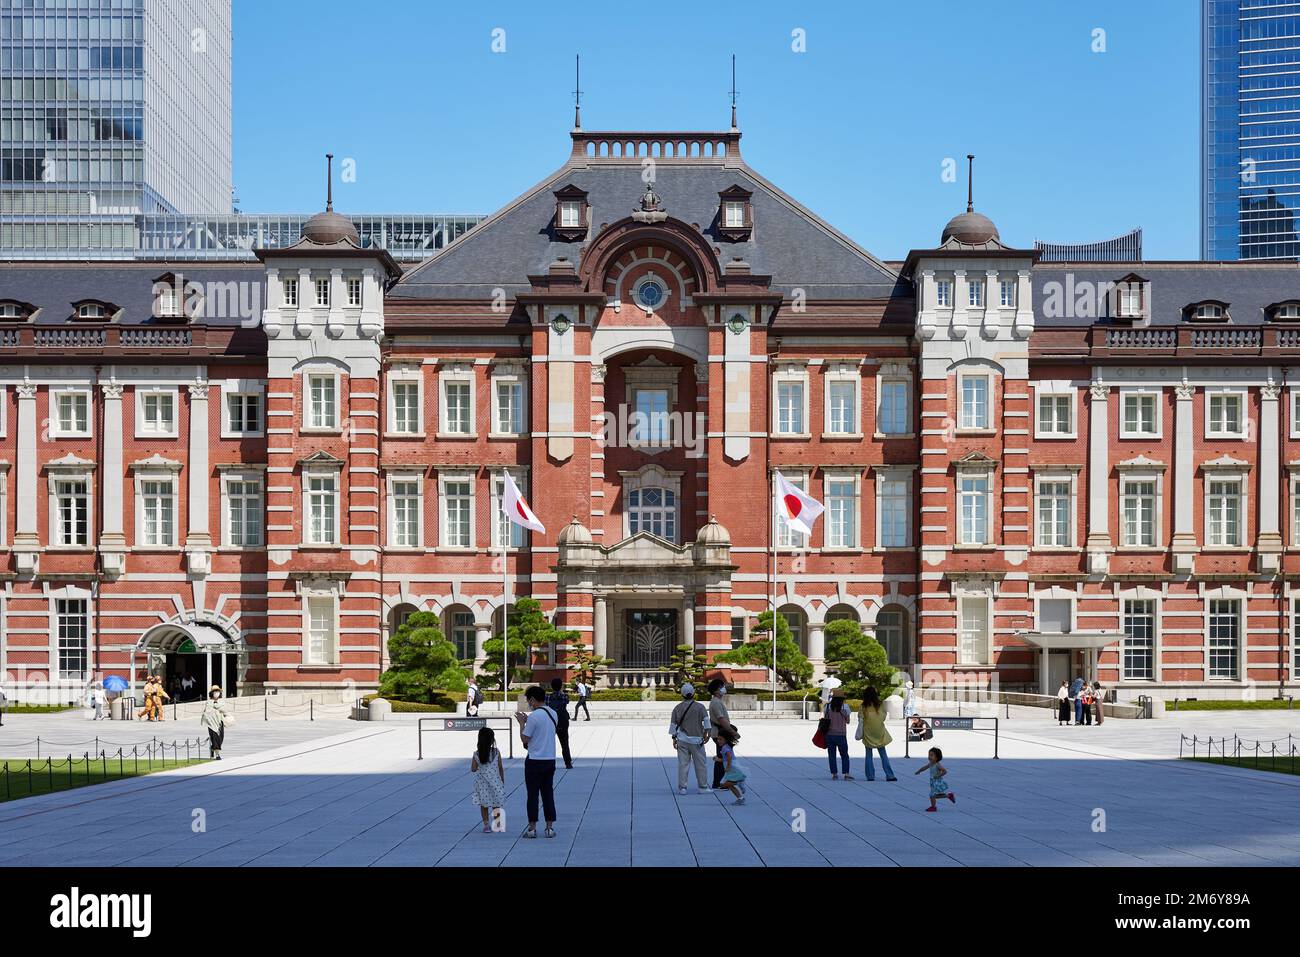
[[421, 661], [791, 666]]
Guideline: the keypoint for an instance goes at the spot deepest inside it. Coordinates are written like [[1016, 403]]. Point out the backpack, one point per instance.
[[478, 697]]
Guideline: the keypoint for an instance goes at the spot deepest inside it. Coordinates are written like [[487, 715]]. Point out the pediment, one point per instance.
[[646, 549]]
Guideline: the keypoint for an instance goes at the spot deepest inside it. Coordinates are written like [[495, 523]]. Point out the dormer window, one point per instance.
[[16, 311], [735, 213], [168, 307], [1284, 311], [92, 310], [1209, 311], [1129, 299], [571, 213]]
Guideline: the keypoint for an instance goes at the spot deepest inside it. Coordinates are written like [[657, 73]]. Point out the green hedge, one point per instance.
[[443, 705], [1208, 704], [38, 708]]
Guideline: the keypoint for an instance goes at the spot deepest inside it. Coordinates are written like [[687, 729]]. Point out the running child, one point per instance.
[[733, 776], [938, 779]]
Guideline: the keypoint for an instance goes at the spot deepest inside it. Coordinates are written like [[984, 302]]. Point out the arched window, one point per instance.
[[458, 628], [841, 613], [798, 622], [892, 628], [653, 510], [397, 617]]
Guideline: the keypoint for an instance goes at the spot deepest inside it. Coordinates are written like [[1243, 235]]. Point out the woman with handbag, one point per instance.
[[873, 733], [215, 717], [835, 732]]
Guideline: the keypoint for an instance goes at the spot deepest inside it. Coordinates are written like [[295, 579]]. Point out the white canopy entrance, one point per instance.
[[190, 637]]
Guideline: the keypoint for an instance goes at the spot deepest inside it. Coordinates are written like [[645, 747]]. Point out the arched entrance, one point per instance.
[[191, 656]]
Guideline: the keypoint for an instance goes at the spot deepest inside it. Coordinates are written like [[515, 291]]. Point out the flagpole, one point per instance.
[[505, 612], [775, 567]]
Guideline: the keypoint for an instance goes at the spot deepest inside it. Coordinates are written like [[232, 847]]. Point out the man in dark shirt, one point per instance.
[[558, 702]]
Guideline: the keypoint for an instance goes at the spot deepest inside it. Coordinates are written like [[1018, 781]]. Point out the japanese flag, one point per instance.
[[517, 509], [799, 509]]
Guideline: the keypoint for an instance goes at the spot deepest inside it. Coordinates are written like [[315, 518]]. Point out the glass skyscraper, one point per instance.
[[1250, 129], [110, 110]]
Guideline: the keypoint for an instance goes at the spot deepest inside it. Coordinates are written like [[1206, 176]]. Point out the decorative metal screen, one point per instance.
[[650, 637]]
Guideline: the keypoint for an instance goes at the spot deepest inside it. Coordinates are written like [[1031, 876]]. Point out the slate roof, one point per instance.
[[1246, 287], [788, 242], [55, 286]]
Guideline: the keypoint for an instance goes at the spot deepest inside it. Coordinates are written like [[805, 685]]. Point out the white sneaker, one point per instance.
[[681, 790], [701, 791]]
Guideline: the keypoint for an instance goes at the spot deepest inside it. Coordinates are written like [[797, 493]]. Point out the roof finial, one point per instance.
[[970, 182], [329, 182], [733, 92], [577, 91]]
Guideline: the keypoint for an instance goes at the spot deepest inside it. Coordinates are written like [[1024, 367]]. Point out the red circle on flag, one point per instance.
[[519, 507], [793, 505]]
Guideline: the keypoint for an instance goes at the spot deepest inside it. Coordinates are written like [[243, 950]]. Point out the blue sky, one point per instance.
[[1072, 145]]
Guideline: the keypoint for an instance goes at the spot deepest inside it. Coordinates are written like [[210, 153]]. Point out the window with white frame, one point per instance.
[[570, 214], [891, 633], [156, 409], [650, 423], [1224, 645], [1295, 413], [973, 631], [1054, 501], [157, 511], [975, 293], [1138, 649], [734, 214], [1223, 512], [790, 406], [893, 525], [457, 495], [503, 529], [1138, 501], [1129, 301], [322, 401], [406, 405], [322, 292], [71, 413], [354, 293], [72, 621], [244, 413], [406, 513], [458, 405], [943, 293], [508, 403], [322, 492], [1140, 418], [245, 516], [460, 632], [1055, 414], [974, 397], [289, 288], [973, 508], [786, 537], [654, 510], [1295, 633], [842, 405], [1225, 415], [322, 630], [894, 417], [1295, 510], [72, 511], [841, 511], [1006, 293]]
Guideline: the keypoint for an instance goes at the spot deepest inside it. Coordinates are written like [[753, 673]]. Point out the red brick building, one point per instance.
[[1030, 470]]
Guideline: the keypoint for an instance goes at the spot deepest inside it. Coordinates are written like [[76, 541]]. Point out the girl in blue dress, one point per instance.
[[938, 779]]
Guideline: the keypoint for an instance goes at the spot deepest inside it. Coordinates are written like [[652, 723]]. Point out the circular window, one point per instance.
[[650, 294]]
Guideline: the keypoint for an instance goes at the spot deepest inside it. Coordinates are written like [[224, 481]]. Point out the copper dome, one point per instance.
[[328, 228], [970, 228]]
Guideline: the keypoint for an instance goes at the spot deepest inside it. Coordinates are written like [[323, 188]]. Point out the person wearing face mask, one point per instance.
[[215, 718]]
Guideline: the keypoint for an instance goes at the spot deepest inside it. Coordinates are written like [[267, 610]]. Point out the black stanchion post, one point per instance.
[[69, 770]]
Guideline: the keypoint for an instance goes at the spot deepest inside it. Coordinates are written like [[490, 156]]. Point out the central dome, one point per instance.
[[328, 228], [970, 228]]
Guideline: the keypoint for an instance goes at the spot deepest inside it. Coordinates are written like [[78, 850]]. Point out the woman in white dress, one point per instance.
[[489, 778]]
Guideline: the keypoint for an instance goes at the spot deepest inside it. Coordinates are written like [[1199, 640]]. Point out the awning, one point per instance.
[[194, 637], [1071, 640]]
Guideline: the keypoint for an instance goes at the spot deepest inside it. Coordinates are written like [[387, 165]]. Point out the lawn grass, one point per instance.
[[56, 774], [38, 708], [1282, 763], [1214, 704]]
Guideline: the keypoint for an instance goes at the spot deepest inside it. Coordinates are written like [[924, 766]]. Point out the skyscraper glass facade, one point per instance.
[[110, 109], [1250, 129]]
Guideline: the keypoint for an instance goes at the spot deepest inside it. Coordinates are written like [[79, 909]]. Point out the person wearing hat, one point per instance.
[[689, 728], [215, 717]]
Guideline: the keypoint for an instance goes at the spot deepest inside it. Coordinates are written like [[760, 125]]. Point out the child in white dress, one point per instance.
[[489, 780]]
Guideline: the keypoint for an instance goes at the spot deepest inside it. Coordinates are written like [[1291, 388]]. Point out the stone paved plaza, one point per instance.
[[354, 794]]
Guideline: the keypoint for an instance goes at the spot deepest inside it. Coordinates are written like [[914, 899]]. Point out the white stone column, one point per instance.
[[688, 623], [198, 540], [338, 300], [1098, 545], [112, 543], [817, 648], [27, 543], [482, 635], [1268, 547], [1043, 672], [1184, 539], [600, 627], [306, 303], [992, 303], [960, 301]]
